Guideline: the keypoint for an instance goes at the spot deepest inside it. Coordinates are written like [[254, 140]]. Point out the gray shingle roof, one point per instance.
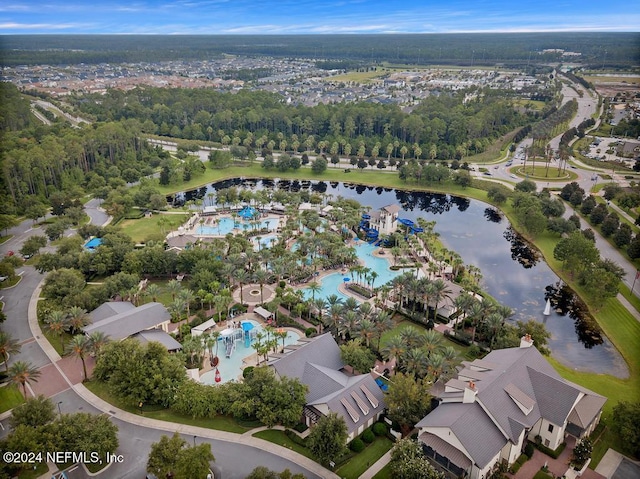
[[473, 428], [158, 336], [109, 309], [511, 376], [317, 364], [124, 324], [586, 410], [321, 351]]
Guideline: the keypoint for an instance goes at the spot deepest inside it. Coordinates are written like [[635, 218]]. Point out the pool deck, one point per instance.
[[252, 359], [192, 226]]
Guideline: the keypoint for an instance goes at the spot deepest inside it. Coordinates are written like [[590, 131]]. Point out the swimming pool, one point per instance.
[[329, 284], [226, 225], [231, 368], [266, 241]]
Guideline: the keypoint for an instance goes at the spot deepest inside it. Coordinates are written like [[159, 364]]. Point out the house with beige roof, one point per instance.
[[316, 362], [487, 414]]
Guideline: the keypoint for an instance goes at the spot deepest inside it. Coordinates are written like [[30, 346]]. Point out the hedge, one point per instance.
[[551, 452]]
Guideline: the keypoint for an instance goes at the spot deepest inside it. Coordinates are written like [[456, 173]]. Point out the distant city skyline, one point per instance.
[[273, 17]]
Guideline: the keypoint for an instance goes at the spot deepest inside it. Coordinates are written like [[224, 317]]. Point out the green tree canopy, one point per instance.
[[327, 438]]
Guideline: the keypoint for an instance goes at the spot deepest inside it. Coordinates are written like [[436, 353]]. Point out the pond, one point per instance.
[[512, 273]]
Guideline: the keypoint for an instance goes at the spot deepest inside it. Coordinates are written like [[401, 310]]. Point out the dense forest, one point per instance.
[[443, 122], [110, 153], [601, 50]]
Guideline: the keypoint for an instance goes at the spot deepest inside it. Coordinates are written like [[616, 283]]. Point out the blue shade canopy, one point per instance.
[[247, 326]]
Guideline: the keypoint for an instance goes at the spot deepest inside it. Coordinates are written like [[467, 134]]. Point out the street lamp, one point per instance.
[[194, 441], [59, 411]]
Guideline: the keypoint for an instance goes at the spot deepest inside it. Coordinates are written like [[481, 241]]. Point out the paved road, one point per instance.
[[236, 456]]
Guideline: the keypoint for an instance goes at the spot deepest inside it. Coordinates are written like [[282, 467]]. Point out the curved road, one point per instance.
[[236, 455]]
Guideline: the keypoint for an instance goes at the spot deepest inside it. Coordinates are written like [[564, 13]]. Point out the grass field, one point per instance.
[[145, 229], [10, 397], [539, 172], [635, 80], [354, 468], [279, 437]]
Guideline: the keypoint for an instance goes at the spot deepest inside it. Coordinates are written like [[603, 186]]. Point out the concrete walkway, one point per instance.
[[377, 466]]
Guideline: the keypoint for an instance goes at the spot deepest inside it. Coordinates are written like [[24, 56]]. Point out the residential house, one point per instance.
[[496, 404], [316, 362]]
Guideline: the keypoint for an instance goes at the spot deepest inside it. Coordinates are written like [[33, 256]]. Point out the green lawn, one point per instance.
[[361, 462], [10, 397], [6, 238], [145, 229], [279, 437], [384, 473], [539, 172]]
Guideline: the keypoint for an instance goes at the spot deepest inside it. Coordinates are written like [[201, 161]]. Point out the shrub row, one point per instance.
[[554, 453], [518, 464]]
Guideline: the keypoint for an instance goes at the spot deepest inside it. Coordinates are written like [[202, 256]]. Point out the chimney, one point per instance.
[[526, 341], [469, 393]]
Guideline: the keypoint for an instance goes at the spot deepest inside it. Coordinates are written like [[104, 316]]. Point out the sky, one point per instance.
[[273, 17]]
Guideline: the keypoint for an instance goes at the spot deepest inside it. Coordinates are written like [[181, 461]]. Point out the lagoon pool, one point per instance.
[[364, 250], [226, 225], [231, 368]]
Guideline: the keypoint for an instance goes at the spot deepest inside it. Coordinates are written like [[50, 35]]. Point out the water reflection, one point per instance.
[[493, 215], [521, 251], [565, 302], [512, 272]]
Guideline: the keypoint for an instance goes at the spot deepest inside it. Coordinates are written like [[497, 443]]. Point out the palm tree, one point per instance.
[[383, 323], [97, 340], [209, 298], [321, 305], [411, 337], [348, 324], [431, 341], [176, 308], [78, 347], [396, 348], [367, 330], [23, 373], [78, 318], [8, 346], [242, 277], [476, 313], [494, 324], [56, 322], [187, 296], [415, 362], [173, 287], [436, 365], [153, 290], [314, 287], [261, 277], [440, 293]]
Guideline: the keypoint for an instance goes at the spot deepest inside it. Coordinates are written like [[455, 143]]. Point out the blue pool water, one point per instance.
[[231, 368], [226, 225], [330, 283], [265, 241]]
